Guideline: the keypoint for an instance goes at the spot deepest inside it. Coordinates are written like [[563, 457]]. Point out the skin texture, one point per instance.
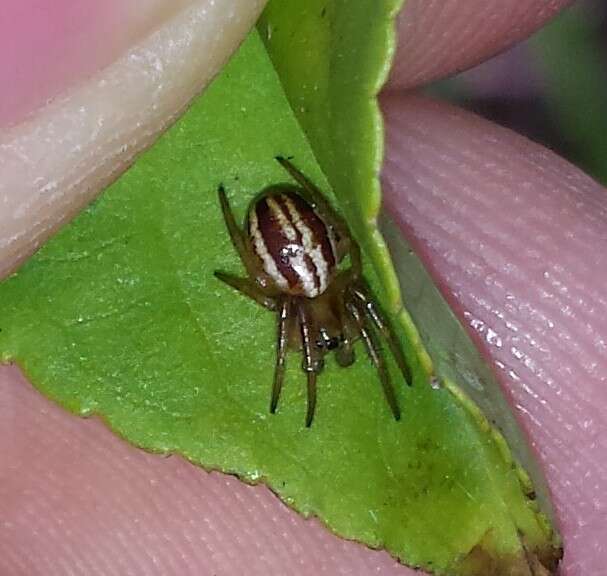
[[514, 237], [56, 161], [440, 37], [64, 44]]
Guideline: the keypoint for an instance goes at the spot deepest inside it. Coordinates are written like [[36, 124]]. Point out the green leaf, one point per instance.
[[120, 315], [332, 59]]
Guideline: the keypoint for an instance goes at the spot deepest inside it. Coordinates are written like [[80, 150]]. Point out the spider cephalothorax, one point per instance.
[[292, 246]]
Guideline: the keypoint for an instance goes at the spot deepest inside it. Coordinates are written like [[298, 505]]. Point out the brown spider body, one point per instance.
[[292, 247]]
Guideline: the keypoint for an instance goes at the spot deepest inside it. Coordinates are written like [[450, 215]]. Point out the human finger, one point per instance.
[[57, 161], [76, 499], [440, 37], [515, 238]]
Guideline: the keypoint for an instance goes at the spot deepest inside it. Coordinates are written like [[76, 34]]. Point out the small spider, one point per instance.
[[292, 247]]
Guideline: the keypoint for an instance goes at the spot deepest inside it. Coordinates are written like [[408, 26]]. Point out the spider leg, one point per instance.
[[361, 293], [345, 353], [313, 195], [312, 362], [355, 259], [236, 235], [374, 351], [311, 398], [284, 325], [247, 287]]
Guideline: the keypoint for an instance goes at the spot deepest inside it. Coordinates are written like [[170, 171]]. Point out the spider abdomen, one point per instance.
[[295, 246]]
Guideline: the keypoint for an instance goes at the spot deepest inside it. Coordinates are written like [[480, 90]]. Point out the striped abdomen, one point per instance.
[[295, 246]]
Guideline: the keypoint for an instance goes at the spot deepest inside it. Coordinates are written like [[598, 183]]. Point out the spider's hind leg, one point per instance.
[[247, 287]]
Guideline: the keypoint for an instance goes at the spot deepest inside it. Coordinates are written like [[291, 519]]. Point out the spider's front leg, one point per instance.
[[285, 325], [316, 199], [374, 351], [361, 293], [344, 355], [312, 355]]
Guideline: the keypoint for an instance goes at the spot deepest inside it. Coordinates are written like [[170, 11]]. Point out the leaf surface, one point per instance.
[[120, 315]]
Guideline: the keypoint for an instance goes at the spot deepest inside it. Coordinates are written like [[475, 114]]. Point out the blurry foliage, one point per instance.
[[572, 57], [565, 101]]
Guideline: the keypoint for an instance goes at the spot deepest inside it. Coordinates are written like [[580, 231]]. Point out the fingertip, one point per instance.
[[440, 37], [513, 236], [75, 495]]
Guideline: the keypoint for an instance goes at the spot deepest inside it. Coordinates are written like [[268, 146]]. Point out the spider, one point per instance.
[[292, 245]]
